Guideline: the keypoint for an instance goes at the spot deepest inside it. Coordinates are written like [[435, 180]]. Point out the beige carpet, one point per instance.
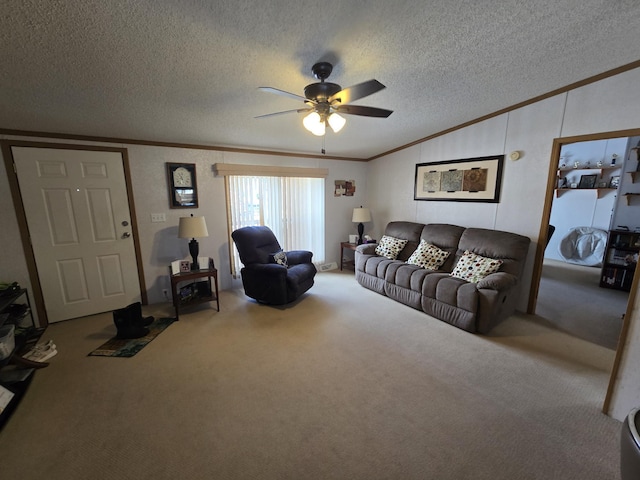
[[345, 384], [571, 300]]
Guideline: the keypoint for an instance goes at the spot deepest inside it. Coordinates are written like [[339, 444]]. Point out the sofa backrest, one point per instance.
[[509, 247], [446, 237], [406, 231]]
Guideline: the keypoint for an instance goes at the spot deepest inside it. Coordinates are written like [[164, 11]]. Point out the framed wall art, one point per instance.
[[183, 188], [466, 180], [588, 181], [614, 182]]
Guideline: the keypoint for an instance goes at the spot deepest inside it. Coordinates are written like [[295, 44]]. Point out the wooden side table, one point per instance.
[[348, 246], [200, 292]]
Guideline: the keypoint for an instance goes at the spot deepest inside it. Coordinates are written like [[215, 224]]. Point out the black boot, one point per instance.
[[135, 311], [127, 325]]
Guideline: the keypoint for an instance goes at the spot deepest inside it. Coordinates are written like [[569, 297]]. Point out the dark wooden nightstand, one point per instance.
[[348, 246], [196, 292]]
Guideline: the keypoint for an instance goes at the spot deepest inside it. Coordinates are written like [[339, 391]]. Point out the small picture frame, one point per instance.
[[588, 181], [185, 266], [614, 182]]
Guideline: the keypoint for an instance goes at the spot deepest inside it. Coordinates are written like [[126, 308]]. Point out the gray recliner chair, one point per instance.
[[630, 447]]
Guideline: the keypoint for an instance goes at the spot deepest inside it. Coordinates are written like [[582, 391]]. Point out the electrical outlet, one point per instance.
[[165, 293], [158, 217]]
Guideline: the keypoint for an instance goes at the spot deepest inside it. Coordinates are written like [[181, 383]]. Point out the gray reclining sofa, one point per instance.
[[473, 306]]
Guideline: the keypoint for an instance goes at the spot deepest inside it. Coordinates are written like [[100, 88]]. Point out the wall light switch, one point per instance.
[[158, 217]]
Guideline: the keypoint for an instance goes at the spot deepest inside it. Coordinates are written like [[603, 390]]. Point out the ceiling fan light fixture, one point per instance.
[[336, 122], [323, 99], [313, 122]]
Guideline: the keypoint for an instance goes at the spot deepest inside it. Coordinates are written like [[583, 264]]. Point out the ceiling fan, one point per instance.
[[325, 100]]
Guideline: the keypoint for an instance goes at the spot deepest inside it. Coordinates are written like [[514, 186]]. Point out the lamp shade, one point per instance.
[[314, 123], [192, 227], [336, 122], [361, 215]]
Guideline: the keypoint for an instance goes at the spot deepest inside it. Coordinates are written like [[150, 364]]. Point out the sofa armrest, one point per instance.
[[296, 257], [498, 281], [367, 248]]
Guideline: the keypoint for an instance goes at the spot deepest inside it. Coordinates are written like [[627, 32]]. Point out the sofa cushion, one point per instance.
[[473, 268], [390, 247], [405, 275], [446, 237], [409, 231], [428, 256], [511, 248]]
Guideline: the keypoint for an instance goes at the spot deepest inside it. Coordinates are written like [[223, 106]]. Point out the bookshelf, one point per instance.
[[620, 260]]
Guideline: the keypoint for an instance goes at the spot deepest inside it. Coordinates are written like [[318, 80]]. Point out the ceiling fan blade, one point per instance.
[[297, 110], [363, 111], [283, 93], [355, 92]]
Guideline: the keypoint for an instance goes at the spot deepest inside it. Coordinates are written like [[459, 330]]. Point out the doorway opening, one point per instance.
[[585, 207], [552, 186]]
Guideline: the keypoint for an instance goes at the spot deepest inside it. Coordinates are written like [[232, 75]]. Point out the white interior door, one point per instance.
[[79, 223]]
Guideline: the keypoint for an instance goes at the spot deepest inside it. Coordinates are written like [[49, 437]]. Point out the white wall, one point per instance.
[[609, 105], [159, 242], [13, 266], [530, 131], [627, 214], [585, 208]]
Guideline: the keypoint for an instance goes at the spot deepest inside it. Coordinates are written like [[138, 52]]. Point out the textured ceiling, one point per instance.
[[187, 71]]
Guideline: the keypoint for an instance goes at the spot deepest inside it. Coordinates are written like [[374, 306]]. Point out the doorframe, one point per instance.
[[14, 187], [558, 143]]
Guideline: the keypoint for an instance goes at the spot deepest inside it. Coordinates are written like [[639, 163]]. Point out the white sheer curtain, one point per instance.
[[293, 207]]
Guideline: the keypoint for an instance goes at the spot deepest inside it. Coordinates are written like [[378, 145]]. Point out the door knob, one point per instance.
[[126, 235]]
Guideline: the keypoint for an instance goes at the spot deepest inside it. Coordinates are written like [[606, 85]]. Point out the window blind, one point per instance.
[[293, 207]]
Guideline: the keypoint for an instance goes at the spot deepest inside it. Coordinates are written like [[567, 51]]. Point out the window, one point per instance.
[[293, 207]]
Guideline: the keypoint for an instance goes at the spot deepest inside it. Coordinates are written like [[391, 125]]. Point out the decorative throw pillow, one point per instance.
[[390, 247], [279, 257], [428, 256], [473, 268]]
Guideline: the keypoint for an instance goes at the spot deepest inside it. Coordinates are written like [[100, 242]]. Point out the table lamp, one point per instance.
[[192, 227], [361, 215]]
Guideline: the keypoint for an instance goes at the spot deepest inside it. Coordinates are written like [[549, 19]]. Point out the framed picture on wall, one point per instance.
[[614, 182], [588, 181], [465, 180]]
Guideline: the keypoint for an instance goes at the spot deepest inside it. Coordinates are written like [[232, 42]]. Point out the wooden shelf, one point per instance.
[[599, 191], [602, 169], [24, 338], [629, 195], [634, 175]]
